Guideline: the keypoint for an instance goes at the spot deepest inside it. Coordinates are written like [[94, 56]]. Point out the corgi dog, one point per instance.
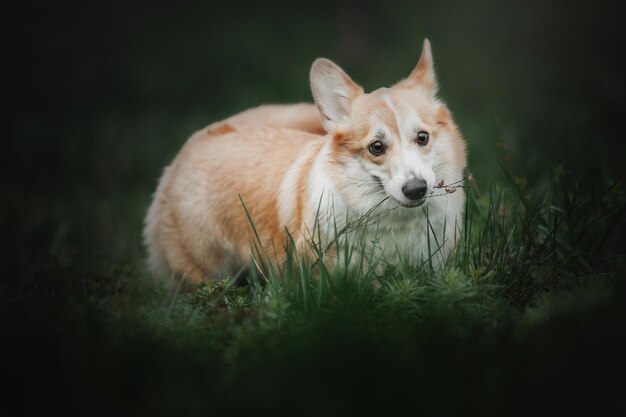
[[273, 174]]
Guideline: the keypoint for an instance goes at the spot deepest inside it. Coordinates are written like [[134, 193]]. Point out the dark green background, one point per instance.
[[99, 96]]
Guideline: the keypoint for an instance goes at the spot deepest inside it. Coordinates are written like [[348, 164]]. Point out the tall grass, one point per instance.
[[524, 295], [525, 311], [522, 252]]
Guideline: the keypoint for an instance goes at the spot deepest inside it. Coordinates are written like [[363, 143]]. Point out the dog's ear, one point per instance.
[[424, 72], [333, 91]]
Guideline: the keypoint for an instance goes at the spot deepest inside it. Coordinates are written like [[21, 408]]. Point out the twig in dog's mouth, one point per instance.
[[450, 188]]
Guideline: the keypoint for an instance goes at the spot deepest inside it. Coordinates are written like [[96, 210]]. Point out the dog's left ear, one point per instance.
[[333, 91], [424, 72]]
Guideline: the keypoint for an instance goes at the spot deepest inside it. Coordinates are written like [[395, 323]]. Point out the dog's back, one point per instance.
[[298, 116]]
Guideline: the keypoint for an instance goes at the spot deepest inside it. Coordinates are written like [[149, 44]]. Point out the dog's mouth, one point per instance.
[[410, 204]]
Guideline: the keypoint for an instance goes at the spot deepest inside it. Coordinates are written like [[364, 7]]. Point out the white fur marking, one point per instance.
[[287, 195]]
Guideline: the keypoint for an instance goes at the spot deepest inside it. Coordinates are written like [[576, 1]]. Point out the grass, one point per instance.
[[527, 315], [523, 313], [527, 264], [513, 252]]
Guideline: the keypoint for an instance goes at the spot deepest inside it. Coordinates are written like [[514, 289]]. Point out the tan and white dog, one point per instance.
[[386, 152]]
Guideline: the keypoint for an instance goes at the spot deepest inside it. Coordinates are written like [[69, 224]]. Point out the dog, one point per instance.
[[277, 174]]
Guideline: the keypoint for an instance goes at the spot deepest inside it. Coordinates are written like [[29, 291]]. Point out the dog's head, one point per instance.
[[397, 142]]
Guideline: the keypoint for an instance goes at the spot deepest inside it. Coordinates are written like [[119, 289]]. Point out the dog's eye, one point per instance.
[[422, 138], [377, 148]]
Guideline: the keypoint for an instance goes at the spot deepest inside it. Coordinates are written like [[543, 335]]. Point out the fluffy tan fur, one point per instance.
[[280, 162]]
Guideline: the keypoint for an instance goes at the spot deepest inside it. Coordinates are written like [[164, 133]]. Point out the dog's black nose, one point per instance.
[[414, 189]]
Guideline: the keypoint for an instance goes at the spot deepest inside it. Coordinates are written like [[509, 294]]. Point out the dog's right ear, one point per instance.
[[424, 73], [333, 91]]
